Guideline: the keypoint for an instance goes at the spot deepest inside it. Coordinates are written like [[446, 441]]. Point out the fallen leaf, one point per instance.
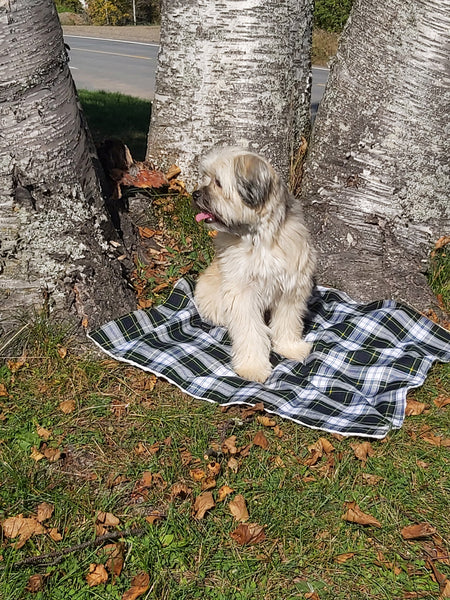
[[442, 400], [355, 515], [180, 490], [197, 474], [422, 464], [266, 421], [44, 511], [62, 351], [67, 406], [371, 479], [238, 508], [52, 454], [436, 440], [107, 519], [248, 534], [223, 492], [21, 527], [3, 391], [251, 410], [277, 431], [312, 596], [442, 241], [233, 464], [97, 575], [363, 451], [43, 433], [116, 558], [14, 366], [139, 585], [202, 504], [342, 558], [414, 408], [382, 562], [173, 171], [261, 440], [36, 455], [55, 535], [36, 583], [229, 445], [208, 483], [155, 516], [414, 532], [213, 469]]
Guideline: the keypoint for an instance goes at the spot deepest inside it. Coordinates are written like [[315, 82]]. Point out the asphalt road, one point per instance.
[[129, 67]]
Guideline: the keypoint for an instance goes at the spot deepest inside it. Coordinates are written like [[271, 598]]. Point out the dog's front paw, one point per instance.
[[294, 350], [253, 371]]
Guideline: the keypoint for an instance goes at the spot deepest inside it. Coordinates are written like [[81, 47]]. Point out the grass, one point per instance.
[[111, 114], [324, 47], [80, 432]]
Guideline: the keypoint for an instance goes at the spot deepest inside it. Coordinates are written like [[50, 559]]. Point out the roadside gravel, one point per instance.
[[140, 33]]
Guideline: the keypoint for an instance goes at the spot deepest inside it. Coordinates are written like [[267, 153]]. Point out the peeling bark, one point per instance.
[[231, 73], [54, 231], [377, 177]]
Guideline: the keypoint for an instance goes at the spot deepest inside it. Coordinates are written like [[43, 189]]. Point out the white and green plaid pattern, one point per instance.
[[365, 358]]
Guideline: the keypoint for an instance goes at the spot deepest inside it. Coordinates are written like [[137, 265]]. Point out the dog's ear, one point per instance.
[[254, 179]]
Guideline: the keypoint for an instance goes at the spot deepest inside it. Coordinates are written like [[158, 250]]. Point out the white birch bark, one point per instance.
[[231, 73], [377, 178], [53, 227]]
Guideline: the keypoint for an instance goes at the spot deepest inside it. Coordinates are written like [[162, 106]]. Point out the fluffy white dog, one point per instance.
[[262, 275]]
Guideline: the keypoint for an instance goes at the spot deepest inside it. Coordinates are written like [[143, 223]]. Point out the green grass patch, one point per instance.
[[124, 422], [439, 275], [111, 114]]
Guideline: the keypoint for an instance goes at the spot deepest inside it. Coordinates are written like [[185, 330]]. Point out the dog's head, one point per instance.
[[238, 190]]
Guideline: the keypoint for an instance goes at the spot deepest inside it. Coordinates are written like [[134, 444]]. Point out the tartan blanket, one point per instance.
[[365, 358]]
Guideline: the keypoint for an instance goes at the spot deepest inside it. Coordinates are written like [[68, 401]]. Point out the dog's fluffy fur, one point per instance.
[[262, 274]]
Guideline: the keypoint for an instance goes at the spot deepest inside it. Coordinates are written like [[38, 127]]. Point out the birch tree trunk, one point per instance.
[[231, 73], [376, 187], [53, 228]]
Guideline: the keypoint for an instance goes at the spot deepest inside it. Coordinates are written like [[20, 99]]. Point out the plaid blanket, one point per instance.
[[365, 357]]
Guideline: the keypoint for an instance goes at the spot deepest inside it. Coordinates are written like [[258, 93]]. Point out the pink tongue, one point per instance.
[[203, 216]]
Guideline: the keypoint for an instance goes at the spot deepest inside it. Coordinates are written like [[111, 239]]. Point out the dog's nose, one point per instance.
[[196, 195]]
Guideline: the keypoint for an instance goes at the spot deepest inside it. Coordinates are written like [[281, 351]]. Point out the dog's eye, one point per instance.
[[217, 182]]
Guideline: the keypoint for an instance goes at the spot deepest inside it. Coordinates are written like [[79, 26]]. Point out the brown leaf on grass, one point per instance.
[[261, 440], [343, 558], [97, 575], [238, 508], [442, 400], [414, 532], [355, 515], [251, 410], [36, 583], [362, 451], [15, 365], [67, 406], [233, 464], [266, 421], [229, 445], [245, 450], [173, 171], [414, 408], [116, 557], [197, 474], [213, 469], [312, 596], [3, 391], [278, 431], [155, 516], [208, 483], [44, 511], [51, 454], [202, 504], [441, 579], [223, 492], [442, 241], [317, 450], [21, 527], [436, 440], [248, 534], [382, 562], [371, 479], [36, 455], [55, 535], [107, 519], [180, 490], [43, 433], [139, 585]]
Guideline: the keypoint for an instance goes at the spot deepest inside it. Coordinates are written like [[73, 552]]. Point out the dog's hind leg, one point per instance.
[[286, 328]]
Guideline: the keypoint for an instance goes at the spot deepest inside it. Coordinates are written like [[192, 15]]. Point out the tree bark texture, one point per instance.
[[376, 185], [53, 227], [231, 73]]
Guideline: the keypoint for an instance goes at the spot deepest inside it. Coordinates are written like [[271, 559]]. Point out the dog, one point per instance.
[[261, 277]]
